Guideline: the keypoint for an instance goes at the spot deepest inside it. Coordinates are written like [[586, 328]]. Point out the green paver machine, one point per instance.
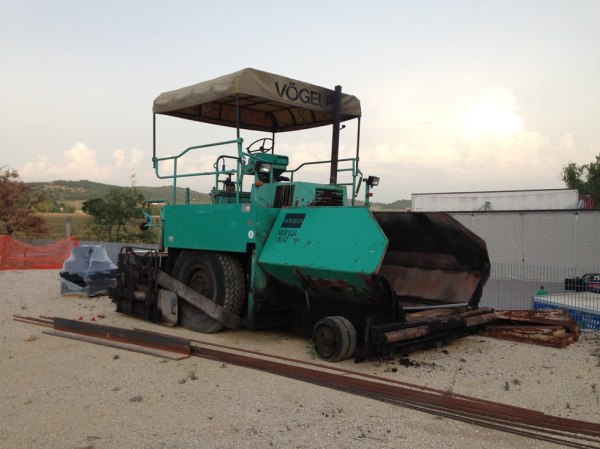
[[272, 250]]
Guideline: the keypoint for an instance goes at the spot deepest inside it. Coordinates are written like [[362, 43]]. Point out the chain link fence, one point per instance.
[[513, 286]]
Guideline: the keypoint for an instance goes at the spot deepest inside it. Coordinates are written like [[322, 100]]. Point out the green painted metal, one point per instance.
[[328, 252], [213, 227], [275, 164], [265, 217]]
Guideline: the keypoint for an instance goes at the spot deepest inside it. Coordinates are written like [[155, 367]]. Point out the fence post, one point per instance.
[[68, 227]]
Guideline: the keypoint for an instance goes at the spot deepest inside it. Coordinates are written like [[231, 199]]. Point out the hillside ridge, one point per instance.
[[65, 195]]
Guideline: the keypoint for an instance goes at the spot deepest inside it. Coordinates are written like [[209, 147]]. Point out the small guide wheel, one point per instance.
[[334, 338]]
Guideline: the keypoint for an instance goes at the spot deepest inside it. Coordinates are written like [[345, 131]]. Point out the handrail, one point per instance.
[[241, 163], [353, 159], [354, 169], [155, 161]]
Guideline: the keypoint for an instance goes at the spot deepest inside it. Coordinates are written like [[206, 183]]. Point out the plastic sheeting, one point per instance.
[[87, 272]]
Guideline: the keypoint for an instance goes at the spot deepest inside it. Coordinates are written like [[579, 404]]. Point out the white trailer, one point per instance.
[[507, 200]]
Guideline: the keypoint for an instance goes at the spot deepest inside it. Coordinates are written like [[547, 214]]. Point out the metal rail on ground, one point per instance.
[[502, 417]]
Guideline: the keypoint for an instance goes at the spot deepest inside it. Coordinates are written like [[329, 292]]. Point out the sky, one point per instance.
[[456, 96]]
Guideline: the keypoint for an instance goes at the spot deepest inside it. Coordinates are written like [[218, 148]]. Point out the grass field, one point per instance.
[[57, 224], [79, 225], [80, 229]]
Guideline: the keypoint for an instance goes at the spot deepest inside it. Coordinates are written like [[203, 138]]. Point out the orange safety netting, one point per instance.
[[16, 255]]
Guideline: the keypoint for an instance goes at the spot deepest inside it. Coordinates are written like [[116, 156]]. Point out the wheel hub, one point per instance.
[[324, 339]]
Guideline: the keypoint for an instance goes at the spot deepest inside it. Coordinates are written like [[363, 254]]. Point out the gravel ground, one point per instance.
[[60, 393]]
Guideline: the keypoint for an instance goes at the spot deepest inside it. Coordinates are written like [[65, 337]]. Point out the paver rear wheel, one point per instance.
[[334, 338], [218, 276]]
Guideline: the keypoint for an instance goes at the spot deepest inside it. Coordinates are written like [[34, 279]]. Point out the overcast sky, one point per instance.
[[456, 95]]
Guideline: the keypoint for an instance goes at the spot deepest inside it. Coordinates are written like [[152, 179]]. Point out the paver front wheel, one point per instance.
[[218, 276], [334, 338]]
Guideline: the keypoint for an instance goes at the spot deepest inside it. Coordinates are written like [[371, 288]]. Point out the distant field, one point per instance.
[[56, 223], [79, 227]]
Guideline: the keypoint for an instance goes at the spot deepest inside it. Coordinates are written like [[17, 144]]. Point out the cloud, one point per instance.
[[491, 112], [481, 142], [119, 157], [80, 162], [137, 156]]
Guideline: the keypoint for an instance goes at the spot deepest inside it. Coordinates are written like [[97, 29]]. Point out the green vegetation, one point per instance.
[[116, 216], [16, 206], [585, 178], [396, 205]]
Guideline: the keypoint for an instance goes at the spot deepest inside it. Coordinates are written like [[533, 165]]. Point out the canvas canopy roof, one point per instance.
[[268, 102]]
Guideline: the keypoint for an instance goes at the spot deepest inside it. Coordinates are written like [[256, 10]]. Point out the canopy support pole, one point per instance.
[[358, 140], [335, 140], [153, 137], [237, 115]]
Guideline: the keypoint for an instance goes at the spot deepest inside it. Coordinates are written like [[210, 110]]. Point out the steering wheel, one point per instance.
[[263, 148]]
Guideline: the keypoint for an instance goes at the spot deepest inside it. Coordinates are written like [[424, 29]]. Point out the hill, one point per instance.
[[68, 196], [396, 205]]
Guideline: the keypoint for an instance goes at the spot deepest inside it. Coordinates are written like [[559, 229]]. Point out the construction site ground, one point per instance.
[[60, 393]]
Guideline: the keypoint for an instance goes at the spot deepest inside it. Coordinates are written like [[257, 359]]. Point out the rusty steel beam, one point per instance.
[[199, 301], [406, 334], [510, 424], [478, 320], [118, 345], [549, 317], [431, 326], [33, 320], [507, 418], [552, 328], [150, 340], [529, 421], [553, 336]]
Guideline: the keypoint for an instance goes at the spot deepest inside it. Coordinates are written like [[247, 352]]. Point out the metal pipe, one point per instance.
[[237, 115], [358, 140], [273, 146], [154, 140], [480, 319], [406, 334], [444, 306]]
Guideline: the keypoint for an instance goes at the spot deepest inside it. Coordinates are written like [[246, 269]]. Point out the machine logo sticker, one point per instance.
[[303, 95], [293, 221]]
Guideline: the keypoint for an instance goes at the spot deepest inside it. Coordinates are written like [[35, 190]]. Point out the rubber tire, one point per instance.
[[218, 276], [334, 338]]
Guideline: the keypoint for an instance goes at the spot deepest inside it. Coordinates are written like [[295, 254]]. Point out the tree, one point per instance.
[[16, 203], [114, 216], [585, 178]]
